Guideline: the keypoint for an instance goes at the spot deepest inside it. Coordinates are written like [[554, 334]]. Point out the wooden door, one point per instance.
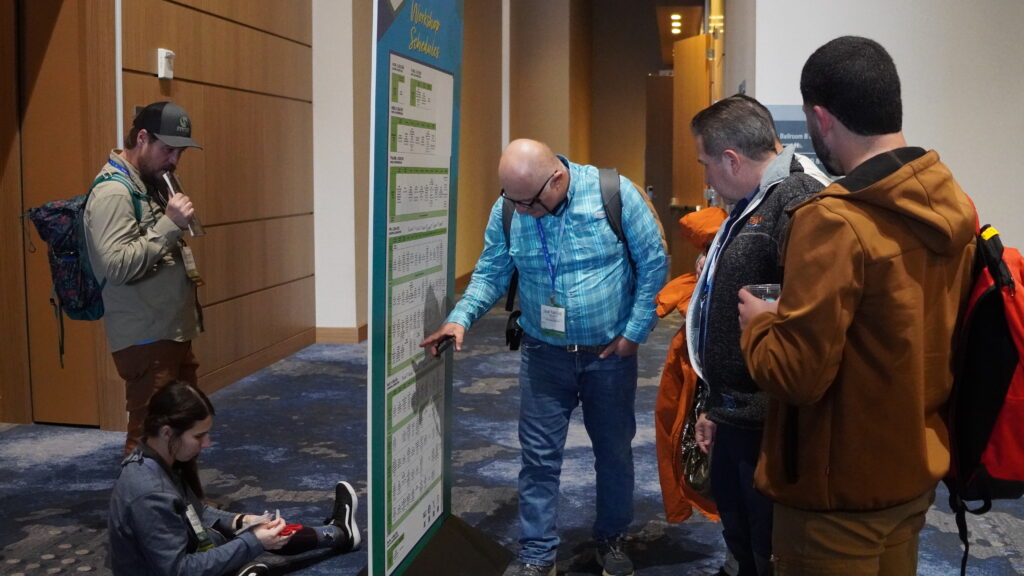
[[658, 153], [67, 130], [15, 398], [692, 93]]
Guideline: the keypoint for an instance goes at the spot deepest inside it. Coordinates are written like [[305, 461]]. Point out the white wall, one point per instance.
[[739, 57], [962, 75], [333, 170]]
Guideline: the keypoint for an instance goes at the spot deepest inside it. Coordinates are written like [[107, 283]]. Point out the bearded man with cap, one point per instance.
[[134, 233]]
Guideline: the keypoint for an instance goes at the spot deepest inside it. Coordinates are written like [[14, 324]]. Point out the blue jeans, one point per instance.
[[552, 383]]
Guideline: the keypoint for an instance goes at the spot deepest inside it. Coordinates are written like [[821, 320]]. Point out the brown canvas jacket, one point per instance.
[[857, 359]]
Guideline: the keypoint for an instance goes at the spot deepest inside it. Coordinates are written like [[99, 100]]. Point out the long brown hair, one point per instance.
[[180, 406]]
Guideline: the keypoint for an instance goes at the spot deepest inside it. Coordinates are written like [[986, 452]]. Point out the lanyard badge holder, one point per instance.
[[195, 228]]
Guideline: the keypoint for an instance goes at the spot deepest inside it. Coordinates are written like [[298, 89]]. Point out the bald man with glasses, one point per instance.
[[587, 305]]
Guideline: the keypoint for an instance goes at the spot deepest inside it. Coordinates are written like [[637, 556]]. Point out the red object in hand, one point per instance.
[[290, 529]]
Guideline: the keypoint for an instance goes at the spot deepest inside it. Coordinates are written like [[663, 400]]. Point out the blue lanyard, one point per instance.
[[552, 267], [119, 167]]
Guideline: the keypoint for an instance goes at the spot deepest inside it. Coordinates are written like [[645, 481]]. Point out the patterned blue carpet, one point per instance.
[[283, 437]]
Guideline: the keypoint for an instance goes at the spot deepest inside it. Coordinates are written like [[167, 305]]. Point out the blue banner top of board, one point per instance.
[[428, 30]]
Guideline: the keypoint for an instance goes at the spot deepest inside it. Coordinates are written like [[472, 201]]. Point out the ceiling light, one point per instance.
[[677, 24], [677, 31], [676, 17]]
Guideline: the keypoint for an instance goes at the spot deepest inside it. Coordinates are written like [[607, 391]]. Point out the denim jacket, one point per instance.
[[150, 533]]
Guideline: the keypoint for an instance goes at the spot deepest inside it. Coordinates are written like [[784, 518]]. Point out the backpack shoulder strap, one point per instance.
[[507, 211], [120, 178], [611, 197]]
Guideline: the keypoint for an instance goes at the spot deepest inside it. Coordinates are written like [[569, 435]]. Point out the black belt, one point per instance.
[[574, 348]]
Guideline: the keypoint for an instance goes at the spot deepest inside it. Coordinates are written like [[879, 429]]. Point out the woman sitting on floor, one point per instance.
[[159, 524]]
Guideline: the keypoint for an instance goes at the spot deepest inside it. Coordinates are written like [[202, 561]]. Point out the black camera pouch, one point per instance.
[[513, 331]]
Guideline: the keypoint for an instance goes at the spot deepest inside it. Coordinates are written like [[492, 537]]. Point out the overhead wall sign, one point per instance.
[[791, 126], [415, 151]]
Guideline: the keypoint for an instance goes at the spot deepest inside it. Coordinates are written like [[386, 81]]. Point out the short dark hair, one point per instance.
[[855, 79], [738, 122], [133, 137]]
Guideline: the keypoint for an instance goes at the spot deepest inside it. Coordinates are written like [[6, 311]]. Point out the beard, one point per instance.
[[149, 173], [822, 150]]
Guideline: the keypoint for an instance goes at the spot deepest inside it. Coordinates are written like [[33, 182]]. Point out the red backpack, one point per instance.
[[986, 408]]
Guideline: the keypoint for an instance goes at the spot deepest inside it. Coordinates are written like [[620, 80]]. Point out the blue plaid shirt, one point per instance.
[[593, 279]]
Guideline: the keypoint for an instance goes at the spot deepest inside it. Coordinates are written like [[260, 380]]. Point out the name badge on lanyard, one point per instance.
[[552, 316], [190, 265], [552, 320], [205, 543]]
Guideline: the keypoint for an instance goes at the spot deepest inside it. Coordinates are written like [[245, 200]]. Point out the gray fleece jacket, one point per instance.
[[748, 249]]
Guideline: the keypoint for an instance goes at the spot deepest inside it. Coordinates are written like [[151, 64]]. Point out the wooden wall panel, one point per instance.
[[248, 92], [541, 89], [215, 51], [243, 70], [580, 80], [67, 132], [257, 159], [231, 373], [237, 259], [288, 18], [248, 325], [341, 335], [479, 129], [15, 397], [691, 95]]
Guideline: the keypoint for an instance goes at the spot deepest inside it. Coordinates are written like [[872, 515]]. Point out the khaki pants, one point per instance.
[[876, 543], [147, 368]]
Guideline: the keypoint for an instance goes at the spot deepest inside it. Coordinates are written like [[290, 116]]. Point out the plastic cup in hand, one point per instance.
[[766, 292]]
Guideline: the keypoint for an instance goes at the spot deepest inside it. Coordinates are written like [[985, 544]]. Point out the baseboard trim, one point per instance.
[[221, 377], [341, 335]]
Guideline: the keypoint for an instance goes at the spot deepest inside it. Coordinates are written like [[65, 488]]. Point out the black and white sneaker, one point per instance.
[[520, 568], [344, 516], [254, 569]]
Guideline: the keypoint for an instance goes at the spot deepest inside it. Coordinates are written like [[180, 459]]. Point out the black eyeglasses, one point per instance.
[[528, 203]]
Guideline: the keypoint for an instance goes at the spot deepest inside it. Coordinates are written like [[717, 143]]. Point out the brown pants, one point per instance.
[[882, 542], [147, 368]]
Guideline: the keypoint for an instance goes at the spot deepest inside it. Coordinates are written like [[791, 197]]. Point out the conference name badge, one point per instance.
[[552, 320], [190, 266]]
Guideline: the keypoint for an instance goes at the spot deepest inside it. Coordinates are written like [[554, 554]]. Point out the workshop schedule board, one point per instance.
[[415, 152]]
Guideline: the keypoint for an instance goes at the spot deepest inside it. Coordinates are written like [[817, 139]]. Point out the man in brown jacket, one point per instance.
[[855, 354]]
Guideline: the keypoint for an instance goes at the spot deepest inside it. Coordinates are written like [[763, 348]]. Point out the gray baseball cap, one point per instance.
[[169, 123]]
